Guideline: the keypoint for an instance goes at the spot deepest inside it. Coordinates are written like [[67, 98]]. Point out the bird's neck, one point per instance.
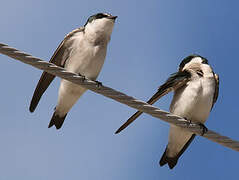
[[97, 37]]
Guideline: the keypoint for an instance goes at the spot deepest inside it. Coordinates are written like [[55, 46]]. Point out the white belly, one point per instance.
[[87, 60], [194, 101]]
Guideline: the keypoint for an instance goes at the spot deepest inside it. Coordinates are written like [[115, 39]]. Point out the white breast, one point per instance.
[[194, 101], [86, 58]]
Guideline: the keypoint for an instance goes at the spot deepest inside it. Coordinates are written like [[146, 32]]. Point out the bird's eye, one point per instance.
[[96, 16], [204, 61], [101, 15], [90, 19]]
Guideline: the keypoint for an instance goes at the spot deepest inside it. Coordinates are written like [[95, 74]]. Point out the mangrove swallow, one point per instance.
[[196, 88], [83, 52]]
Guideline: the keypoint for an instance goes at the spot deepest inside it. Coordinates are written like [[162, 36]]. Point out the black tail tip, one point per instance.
[[57, 121], [171, 161]]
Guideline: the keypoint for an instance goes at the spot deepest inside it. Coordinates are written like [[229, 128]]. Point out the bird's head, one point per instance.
[[193, 60], [101, 22]]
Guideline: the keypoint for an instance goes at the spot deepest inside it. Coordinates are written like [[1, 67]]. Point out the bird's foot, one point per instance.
[[83, 77], [98, 84], [203, 127], [188, 122]]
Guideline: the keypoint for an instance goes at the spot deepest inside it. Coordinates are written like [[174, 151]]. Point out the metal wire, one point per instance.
[[117, 96]]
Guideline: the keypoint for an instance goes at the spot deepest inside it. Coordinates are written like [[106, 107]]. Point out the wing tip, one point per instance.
[[125, 125], [118, 130], [32, 108], [128, 122], [43, 83]]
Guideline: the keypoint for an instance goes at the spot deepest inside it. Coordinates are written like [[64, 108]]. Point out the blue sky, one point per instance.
[[149, 40]]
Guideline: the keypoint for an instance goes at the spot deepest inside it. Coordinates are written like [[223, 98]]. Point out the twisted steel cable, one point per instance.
[[117, 96]]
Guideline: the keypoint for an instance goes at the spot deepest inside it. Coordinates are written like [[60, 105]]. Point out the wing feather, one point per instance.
[[59, 58], [175, 81], [216, 89]]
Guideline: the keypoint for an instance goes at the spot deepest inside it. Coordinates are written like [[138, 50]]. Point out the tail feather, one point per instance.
[[172, 161], [57, 121], [168, 160]]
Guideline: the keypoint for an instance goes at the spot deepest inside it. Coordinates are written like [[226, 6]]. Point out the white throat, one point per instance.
[[99, 31]]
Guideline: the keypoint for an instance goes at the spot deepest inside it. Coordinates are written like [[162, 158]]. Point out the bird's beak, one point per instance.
[[112, 17]]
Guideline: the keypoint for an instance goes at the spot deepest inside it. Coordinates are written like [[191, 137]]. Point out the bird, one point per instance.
[[196, 89], [82, 51]]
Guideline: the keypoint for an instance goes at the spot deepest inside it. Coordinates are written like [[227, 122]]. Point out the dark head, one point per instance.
[[102, 16], [194, 58], [102, 23]]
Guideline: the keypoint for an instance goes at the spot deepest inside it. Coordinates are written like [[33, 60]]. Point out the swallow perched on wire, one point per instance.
[[83, 52], [196, 89]]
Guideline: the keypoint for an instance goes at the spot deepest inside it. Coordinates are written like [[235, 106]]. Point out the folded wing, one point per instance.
[[59, 58], [175, 81]]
